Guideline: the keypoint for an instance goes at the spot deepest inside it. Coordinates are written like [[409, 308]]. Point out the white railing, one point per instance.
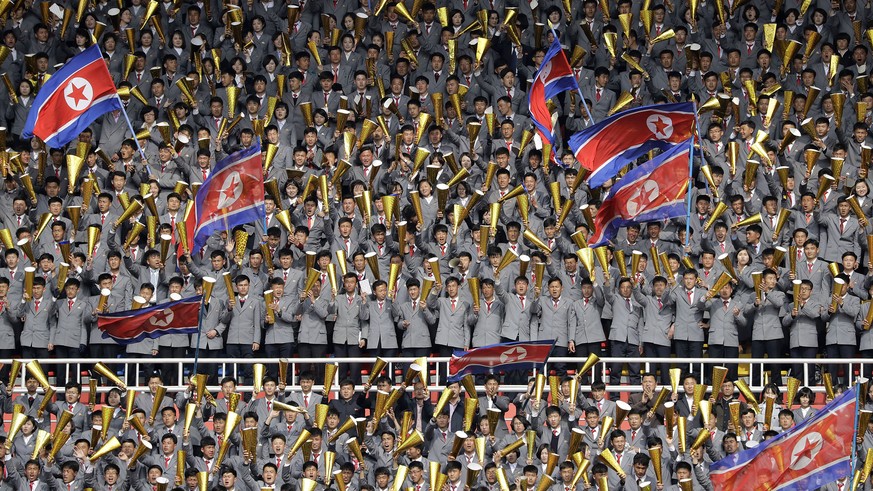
[[77, 368]]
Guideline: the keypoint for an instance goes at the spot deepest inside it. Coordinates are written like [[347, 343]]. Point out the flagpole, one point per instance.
[[855, 431], [130, 125], [199, 334], [578, 89], [691, 178], [133, 132]]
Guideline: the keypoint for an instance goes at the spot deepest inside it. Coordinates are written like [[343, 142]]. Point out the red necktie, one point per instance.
[[726, 305], [70, 303], [453, 304], [521, 299], [597, 97], [36, 305]]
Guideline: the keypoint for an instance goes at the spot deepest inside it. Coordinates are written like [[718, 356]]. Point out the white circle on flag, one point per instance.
[[545, 70], [516, 353], [162, 318], [805, 450], [642, 197], [78, 93], [231, 190], [661, 126]]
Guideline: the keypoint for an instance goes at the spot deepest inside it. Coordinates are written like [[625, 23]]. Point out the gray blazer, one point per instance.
[[347, 329], [724, 323], [804, 327], [70, 330], [417, 333], [247, 320], [377, 327], [452, 328], [688, 314], [487, 324], [215, 316], [518, 320]]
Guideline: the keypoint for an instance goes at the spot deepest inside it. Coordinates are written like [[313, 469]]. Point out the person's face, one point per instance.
[[810, 250]]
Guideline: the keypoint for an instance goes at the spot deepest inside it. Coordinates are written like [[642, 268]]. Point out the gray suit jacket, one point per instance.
[[378, 325]]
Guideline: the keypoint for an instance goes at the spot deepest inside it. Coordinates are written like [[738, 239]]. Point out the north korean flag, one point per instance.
[[518, 355], [809, 456], [653, 191], [72, 98], [553, 77], [232, 195], [179, 317], [606, 147]]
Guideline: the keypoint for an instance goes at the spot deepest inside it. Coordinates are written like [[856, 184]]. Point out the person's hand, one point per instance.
[[51, 347], [362, 343], [256, 346]]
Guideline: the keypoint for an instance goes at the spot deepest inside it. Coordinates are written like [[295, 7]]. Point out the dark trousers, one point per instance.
[[514, 377], [417, 353], [721, 351], [139, 375], [210, 369], [806, 373], [109, 353], [842, 374], [244, 371], [661, 361], [279, 350], [559, 368], [689, 349], [4, 372], [582, 351], [442, 371], [622, 349], [307, 350], [772, 348], [65, 372], [170, 371], [350, 370]]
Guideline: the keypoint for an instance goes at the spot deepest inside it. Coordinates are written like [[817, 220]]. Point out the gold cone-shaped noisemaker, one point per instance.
[[623, 100], [747, 393], [457, 443], [110, 446], [756, 218], [508, 258], [132, 210], [610, 461], [298, 444], [825, 182], [34, 369], [158, 396], [856, 208], [105, 371], [413, 440], [546, 482]]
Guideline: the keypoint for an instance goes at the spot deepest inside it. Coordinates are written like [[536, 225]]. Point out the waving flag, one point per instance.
[[179, 317], [606, 147], [518, 355], [653, 191], [553, 77], [72, 98], [810, 455], [232, 195]]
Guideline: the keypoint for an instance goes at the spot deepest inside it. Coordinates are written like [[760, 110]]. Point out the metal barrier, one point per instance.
[[78, 369]]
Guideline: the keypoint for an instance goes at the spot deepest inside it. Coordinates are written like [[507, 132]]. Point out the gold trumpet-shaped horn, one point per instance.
[[35, 370], [110, 446]]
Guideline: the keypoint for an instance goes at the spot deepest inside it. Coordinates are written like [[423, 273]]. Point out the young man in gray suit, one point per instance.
[[245, 325]]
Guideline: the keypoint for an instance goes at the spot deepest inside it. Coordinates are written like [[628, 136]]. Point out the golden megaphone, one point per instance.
[[110, 446], [35, 370]]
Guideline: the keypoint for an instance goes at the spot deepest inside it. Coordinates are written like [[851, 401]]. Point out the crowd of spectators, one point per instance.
[[410, 211]]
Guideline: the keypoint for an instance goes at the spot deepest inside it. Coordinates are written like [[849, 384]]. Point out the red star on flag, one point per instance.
[[77, 93], [229, 191]]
